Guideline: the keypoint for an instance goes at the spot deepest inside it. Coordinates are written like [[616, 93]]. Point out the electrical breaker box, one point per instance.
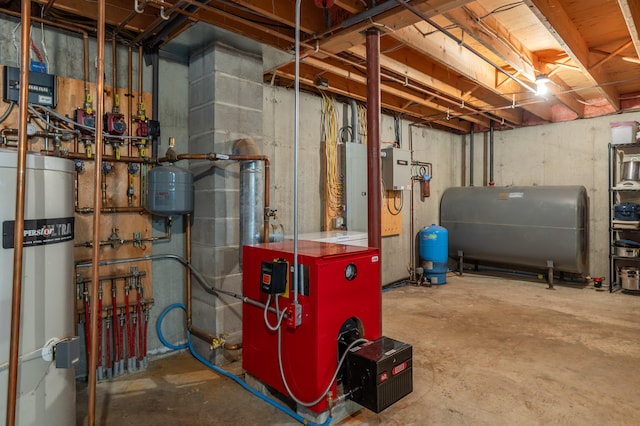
[[354, 171], [42, 87], [380, 373], [396, 169]]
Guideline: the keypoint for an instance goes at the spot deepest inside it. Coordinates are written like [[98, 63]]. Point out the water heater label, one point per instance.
[[38, 232]]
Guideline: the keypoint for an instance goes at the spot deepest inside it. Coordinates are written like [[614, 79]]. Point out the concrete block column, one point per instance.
[[225, 104]]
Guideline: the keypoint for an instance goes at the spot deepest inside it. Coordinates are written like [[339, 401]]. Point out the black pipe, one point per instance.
[[491, 132], [155, 98], [471, 154], [367, 14], [157, 40]]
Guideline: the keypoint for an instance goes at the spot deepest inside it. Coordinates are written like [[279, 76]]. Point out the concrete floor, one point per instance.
[[486, 351]]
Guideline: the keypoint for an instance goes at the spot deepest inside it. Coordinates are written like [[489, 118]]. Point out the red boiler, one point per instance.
[[340, 295]]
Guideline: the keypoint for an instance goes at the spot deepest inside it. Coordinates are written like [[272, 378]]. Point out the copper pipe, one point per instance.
[[84, 280], [373, 136], [18, 236], [47, 7], [212, 156], [187, 254], [202, 335], [154, 25], [85, 47], [140, 74], [83, 156], [124, 22], [89, 210], [129, 94], [211, 338], [114, 73], [232, 347], [76, 29], [95, 270]]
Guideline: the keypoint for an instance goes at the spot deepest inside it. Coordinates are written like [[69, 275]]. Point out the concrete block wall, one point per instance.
[[225, 104]]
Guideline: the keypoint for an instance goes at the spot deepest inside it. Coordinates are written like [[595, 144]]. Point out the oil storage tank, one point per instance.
[[45, 393], [524, 226]]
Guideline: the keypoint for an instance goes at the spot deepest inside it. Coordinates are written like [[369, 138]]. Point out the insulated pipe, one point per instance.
[[355, 125], [491, 135], [18, 236], [471, 153], [97, 175], [373, 135]]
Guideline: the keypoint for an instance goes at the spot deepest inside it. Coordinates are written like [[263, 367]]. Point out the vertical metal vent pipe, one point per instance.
[[373, 134], [251, 194]]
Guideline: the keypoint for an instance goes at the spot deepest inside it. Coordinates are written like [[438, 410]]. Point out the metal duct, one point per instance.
[[519, 225], [251, 194]]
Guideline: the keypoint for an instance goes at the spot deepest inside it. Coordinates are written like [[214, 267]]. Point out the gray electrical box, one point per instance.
[[396, 169], [354, 172]]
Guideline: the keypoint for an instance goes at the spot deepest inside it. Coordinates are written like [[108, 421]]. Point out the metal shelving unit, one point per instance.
[[621, 191]]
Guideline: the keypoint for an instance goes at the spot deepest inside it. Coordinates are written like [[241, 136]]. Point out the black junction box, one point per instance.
[[273, 277], [379, 373], [42, 87]]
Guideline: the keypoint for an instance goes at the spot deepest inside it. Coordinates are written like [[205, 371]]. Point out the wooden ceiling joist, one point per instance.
[[389, 21], [553, 16], [347, 89], [631, 12], [452, 92], [445, 51], [492, 35]]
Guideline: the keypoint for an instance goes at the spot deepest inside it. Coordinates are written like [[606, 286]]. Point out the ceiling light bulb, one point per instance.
[[541, 84]]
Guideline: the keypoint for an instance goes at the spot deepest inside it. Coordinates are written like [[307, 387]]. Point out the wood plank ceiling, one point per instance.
[[445, 63]]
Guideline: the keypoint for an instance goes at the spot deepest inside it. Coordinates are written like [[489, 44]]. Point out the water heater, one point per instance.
[[46, 394]]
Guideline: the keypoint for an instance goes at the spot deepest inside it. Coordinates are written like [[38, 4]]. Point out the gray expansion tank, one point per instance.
[[525, 226]]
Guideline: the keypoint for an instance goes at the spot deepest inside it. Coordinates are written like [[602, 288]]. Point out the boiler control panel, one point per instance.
[[274, 276]]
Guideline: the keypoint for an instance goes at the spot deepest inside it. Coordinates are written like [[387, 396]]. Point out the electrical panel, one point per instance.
[[396, 169], [42, 87], [354, 172]]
